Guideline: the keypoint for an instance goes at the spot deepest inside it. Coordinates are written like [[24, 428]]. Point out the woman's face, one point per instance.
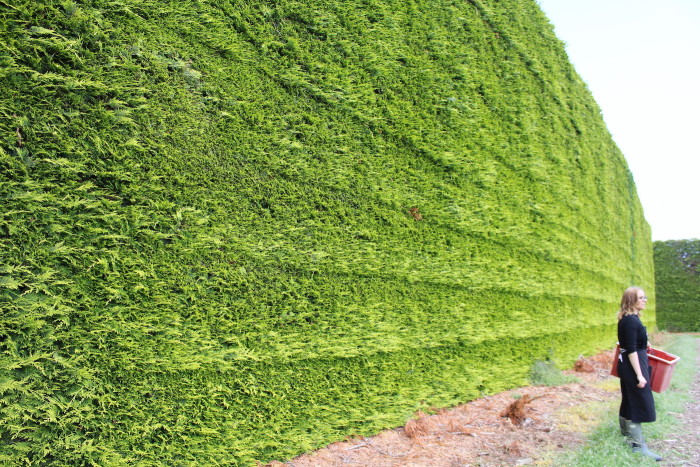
[[641, 300]]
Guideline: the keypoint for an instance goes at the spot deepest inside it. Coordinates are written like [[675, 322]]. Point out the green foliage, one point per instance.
[[235, 231], [677, 285]]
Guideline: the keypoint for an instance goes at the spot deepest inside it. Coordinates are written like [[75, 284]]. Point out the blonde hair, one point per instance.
[[628, 302]]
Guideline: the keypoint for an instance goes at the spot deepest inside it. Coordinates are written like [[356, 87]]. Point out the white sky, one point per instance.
[[641, 61]]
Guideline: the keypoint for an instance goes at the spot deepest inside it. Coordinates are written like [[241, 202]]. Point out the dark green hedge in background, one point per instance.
[[238, 230], [677, 285]]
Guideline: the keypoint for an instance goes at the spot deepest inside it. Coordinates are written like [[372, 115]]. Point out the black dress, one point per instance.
[[637, 403]]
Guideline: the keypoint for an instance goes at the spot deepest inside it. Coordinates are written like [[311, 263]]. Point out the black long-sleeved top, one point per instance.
[[632, 334]]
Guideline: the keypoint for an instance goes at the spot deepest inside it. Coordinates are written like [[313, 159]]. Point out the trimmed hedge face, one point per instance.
[[236, 231], [677, 285]]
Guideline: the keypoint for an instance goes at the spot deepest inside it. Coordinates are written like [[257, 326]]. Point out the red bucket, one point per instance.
[[662, 365], [616, 359]]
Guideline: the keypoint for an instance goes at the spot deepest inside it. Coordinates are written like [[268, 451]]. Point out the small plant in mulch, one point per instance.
[[545, 373]]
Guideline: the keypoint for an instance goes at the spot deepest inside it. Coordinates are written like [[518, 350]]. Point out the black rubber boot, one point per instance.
[[638, 444]]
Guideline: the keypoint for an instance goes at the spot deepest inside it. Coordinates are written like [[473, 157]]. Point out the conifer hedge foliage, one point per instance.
[[238, 230], [677, 285]]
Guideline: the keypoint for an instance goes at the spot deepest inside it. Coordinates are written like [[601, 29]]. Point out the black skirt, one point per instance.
[[637, 403]]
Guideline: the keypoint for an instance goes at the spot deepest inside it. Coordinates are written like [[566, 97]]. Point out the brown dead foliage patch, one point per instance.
[[420, 426], [583, 365], [516, 411], [415, 212]]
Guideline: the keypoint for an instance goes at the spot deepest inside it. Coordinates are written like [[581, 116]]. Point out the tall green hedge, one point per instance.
[[238, 230], [677, 285]]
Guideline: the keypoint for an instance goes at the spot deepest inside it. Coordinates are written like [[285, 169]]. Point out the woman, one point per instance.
[[637, 405]]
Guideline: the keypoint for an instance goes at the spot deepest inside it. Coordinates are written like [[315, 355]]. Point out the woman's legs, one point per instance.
[[625, 412], [637, 404]]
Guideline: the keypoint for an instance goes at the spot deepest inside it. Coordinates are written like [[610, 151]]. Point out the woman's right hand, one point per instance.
[[642, 381], [634, 361]]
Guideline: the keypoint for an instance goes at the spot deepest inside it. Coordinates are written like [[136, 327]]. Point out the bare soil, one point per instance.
[[524, 426]]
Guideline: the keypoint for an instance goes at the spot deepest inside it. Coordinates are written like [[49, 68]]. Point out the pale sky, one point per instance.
[[641, 61]]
